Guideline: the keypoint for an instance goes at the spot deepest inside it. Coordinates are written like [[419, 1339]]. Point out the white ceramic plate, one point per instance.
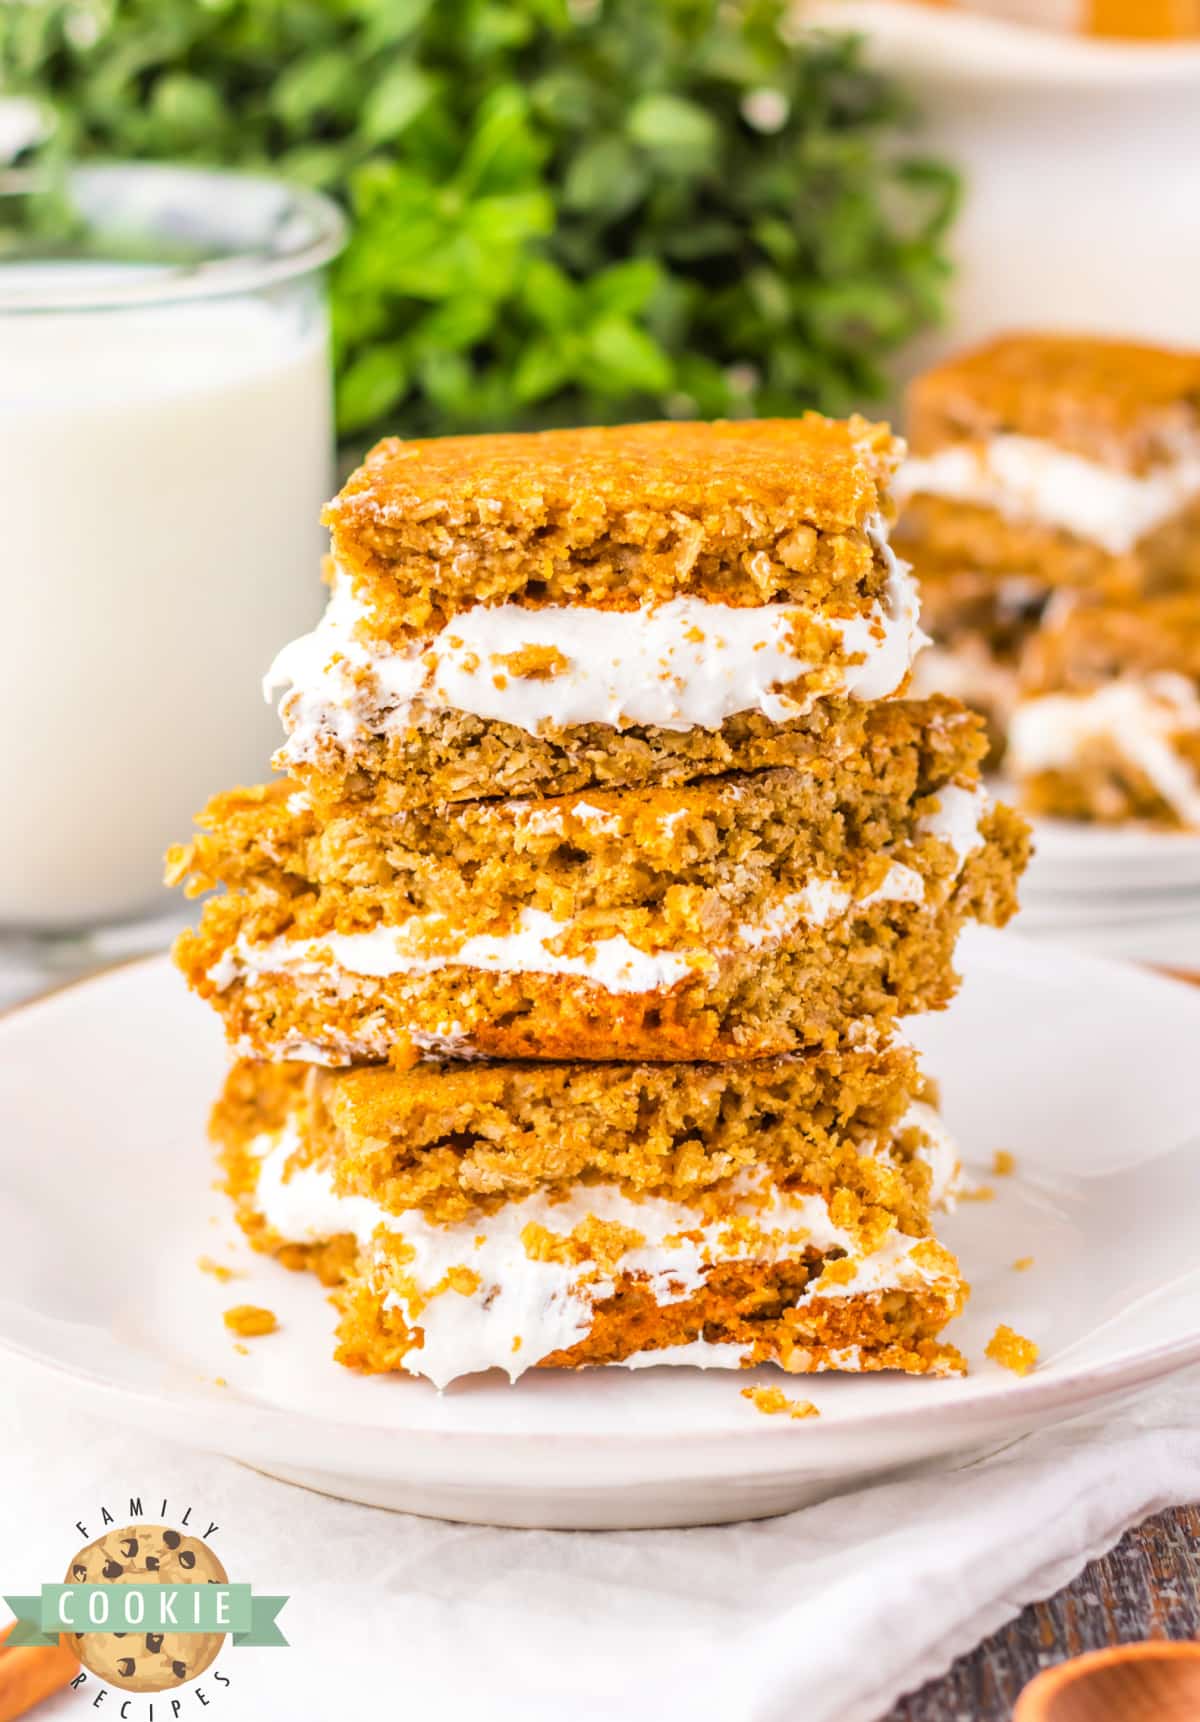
[[1117, 891], [1167, 938], [1074, 859], [1106, 868], [1086, 1071]]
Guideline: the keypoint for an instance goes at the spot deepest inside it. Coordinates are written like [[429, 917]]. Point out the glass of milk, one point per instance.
[[166, 445]]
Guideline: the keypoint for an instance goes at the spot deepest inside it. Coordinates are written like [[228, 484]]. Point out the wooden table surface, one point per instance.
[[1147, 1587]]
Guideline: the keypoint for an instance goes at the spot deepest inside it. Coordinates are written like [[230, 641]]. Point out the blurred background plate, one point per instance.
[[1115, 891], [1087, 860]]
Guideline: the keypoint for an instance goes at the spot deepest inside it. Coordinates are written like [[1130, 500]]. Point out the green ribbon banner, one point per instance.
[[187, 1608]]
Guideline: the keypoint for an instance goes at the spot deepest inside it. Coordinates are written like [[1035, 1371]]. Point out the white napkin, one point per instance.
[[829, 1614]]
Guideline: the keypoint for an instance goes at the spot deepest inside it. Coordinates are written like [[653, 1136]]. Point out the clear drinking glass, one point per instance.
[[166, 444]]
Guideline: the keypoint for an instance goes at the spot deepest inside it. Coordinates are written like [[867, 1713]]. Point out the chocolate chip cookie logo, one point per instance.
[[147, 1661], [146, 1608]]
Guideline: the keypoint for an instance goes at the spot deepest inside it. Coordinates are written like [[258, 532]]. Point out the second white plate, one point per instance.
[[1072, 858]]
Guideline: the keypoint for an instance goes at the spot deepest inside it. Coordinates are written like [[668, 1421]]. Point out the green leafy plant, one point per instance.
[[562, 210]]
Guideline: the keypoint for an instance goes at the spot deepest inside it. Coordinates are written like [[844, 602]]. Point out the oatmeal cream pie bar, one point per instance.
[[1065, 460], [735, 917], [541, 613], [515, 1216], [1108, 726]]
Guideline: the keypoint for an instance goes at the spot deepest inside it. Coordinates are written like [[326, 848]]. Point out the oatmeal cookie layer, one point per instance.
[[939, 530], [455, 756], [891, 955], [1105, 786], [659, 865], [737, 513], [1119, 403], [1083, 647], [452, 1140], [744, 1316]]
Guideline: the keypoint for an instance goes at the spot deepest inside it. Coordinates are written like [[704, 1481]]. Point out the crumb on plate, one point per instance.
[[1011, 1350], [218, 1270], [772, 1400], [249, 1320]]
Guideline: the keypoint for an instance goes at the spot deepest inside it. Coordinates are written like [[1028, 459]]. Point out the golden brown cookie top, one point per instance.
[[1120, 403], [739, 512], [838, 467]]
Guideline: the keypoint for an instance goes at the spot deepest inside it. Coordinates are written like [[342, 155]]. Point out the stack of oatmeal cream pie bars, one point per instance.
[[1053, 515], [563, 967]]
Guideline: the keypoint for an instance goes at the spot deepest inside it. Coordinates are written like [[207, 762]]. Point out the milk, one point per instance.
[[161, 473]]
